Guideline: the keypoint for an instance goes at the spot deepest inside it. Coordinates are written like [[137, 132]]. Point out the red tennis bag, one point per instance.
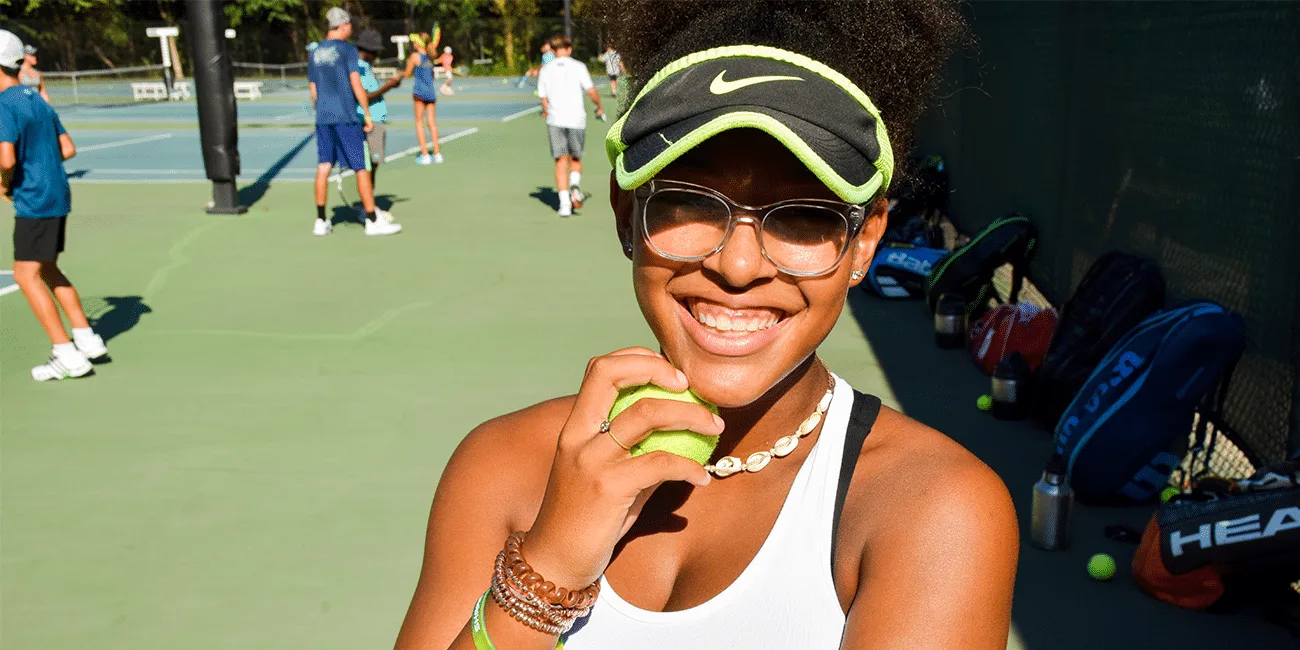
[[1019, 327]]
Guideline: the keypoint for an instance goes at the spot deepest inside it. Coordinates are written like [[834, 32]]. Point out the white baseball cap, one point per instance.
[[11, 50], [337, 16]]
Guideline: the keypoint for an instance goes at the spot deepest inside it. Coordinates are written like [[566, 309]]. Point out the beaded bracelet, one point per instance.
[[478, 626], [532, 600]]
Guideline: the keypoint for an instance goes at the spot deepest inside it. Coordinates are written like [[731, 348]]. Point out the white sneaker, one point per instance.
[[425, 159], [92, 346], [65, 366], [381, 227], [576, 195], [384, 215], [323, 227], [565, 210], [437, 157]]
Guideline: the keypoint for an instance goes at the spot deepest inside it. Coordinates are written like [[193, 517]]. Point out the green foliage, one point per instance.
[[263, 11]]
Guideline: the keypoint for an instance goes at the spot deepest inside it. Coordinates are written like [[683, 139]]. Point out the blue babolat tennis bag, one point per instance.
[[1140, 400], [899, 270]]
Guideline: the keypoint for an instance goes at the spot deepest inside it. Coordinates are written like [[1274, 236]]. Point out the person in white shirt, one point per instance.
[[561, 84], [613, 67]]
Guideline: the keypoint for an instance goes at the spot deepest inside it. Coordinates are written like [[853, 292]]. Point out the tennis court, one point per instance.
[[254, 468]]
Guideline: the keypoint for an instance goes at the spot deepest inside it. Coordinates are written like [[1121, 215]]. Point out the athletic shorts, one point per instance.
[[377, 140], [343, 145], [427, 100], [613, 77], [39, 240], [566, 142]]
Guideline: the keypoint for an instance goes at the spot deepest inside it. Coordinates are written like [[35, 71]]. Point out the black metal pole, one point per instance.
[[568, 19], [215, 94]]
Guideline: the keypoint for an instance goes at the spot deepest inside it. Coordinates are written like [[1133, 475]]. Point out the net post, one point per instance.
[[214, 87], [76, 97]]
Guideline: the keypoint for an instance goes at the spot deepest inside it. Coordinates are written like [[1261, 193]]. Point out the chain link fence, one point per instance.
[[1167, 130]]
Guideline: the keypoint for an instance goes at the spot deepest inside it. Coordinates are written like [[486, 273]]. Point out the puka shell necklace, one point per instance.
[[728, 465]]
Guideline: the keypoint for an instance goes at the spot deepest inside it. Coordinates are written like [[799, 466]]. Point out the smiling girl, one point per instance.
[[748, 194]]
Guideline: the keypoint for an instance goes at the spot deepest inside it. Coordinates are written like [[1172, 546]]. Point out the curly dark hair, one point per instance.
[[892, 49]]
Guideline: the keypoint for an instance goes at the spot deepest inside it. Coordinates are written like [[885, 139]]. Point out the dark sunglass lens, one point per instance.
[[683, 223], [805, 238]]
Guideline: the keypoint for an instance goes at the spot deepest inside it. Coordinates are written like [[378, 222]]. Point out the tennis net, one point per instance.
[[99, 87], [286, 76]]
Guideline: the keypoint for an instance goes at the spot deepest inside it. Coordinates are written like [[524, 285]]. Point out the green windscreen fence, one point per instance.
[[1165, 129]]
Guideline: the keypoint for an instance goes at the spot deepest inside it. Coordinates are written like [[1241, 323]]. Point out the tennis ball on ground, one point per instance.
[[1101, 567], [984, 403], [687, 444], [1168, 493]]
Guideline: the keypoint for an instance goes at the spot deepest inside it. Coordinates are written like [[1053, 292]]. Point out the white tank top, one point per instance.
[[785, 598]]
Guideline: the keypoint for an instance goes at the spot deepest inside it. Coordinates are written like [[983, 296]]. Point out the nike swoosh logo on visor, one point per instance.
[[721, 86]]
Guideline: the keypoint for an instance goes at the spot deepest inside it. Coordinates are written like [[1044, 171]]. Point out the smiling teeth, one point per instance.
[[725, 323]]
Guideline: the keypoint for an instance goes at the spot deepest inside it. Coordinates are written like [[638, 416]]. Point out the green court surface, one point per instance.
[[254, 468]]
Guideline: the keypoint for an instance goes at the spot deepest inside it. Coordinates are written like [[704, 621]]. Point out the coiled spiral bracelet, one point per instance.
[[531, 599]]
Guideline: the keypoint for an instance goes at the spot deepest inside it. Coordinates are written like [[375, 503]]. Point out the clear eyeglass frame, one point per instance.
[[854, 215]]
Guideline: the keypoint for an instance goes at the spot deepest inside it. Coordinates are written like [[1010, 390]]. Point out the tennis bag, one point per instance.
[[1118, 431], [1117, 292], [1195, 549], [968, 272], [899, 270], [1014, 327]]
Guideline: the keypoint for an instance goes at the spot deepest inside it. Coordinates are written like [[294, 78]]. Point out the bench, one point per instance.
[[181, 90], [248, 90], [384, 74], [142, 90]]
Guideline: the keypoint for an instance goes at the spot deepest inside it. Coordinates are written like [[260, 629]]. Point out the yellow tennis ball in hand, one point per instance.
[[687, 444]]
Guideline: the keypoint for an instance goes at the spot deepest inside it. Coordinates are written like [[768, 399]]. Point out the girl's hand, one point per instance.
[[596, 489]]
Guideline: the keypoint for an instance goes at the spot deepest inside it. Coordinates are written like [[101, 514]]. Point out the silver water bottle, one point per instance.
[[1051, 509], [950, 321]]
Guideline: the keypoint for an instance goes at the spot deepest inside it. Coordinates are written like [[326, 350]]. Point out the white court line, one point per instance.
[[123, 143], [406, 152], [526, 111], [6, 272], [9, 289], [290, 115]]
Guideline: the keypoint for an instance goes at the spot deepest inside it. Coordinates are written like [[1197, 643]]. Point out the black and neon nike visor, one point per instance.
[[817, 113]]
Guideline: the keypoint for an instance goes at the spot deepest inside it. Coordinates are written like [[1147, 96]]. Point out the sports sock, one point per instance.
[[320, 212], [564, 199], [574, 178], [82, 333], [65, 349], [370, 216]]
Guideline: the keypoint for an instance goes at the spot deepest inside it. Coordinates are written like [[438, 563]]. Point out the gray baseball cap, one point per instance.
[[337, 16]]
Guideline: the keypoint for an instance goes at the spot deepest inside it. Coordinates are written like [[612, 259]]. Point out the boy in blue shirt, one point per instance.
[[335, 83], [369, 45], [33, 146]]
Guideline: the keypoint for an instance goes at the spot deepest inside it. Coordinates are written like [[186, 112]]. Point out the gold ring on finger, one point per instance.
[[604, 428]]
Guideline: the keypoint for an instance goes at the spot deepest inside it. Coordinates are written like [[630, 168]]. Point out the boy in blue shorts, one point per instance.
[[335, 83], [33, 146]]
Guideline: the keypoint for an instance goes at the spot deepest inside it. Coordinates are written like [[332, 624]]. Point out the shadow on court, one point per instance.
[[548, 196], [254, 192], [1056, 604], [113, 315]]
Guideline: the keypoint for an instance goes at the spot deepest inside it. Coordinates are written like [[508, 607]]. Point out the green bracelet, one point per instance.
[[478, 626]]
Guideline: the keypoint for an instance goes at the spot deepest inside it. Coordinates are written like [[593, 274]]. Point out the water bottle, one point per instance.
[[1010, 387], [1051, 509], [950, 321]]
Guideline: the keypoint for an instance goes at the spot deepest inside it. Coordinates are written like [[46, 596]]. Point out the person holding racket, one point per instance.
[[29, 76], [369, 45], [419, 65], [748, 191], [335, 85], [446, 60]]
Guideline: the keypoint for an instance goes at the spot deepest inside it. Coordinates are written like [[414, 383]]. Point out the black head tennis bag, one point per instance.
[[1117, 292], [1118, 432], [968, 272]]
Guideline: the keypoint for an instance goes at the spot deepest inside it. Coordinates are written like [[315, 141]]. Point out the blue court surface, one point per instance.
[[7, 282], [159, 141]]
